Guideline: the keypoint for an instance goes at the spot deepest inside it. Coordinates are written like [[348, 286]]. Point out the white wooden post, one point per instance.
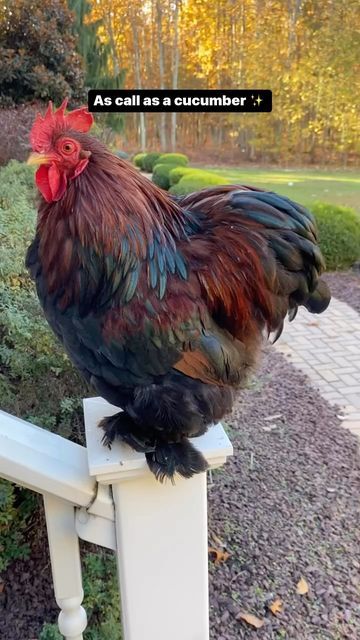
[[75, 506], [161, 533], [65, 565]]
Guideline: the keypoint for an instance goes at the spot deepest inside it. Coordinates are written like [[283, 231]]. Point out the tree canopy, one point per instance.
[[306, 51], [38, 58]]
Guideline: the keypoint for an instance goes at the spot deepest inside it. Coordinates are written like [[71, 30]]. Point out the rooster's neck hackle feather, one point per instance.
[[113, 212], [111, 196]]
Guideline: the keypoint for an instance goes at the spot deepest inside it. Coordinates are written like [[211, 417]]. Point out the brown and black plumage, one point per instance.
[[162, 303]]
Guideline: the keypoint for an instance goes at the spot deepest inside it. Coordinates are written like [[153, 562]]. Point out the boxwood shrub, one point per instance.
[[122, 154], [138, 160], [161, 175], [179, 159], [179, 172], [339, 234], [196, 180], [150, 160]]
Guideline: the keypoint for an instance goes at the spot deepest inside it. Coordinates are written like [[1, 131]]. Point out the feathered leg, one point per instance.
[[121, 426], [165, 459], [159, 418]]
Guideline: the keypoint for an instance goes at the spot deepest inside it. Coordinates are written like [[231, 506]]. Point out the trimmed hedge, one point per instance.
[[339, 234], [150, 161], [138, 160], [178, 173], [122, 154], [196, 180], [161, 175], [178, 159]]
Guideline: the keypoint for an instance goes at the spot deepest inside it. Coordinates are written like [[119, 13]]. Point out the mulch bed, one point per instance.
[[345, 286], [285, 507]]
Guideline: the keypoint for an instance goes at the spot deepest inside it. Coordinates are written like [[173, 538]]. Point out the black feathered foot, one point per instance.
[[121, 426], [179, 457]]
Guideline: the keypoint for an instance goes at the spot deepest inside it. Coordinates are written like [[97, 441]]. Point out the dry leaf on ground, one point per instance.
[[254, 621], [276, 606], [218, 555], [270, 427], [302, 587]]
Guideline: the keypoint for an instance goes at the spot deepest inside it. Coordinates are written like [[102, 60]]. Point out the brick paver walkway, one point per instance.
[[327, 349]]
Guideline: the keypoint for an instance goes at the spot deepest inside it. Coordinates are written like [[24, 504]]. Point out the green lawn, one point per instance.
[[302, 185]]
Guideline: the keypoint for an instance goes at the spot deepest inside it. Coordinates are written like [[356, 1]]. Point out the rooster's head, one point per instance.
[[57, 150]]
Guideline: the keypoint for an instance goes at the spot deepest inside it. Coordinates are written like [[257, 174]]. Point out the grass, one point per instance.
[[304, 185]]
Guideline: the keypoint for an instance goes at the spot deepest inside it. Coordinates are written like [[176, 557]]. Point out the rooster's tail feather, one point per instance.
[[319, 299]]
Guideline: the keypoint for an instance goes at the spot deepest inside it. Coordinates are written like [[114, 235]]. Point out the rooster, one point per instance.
[[162, 303]]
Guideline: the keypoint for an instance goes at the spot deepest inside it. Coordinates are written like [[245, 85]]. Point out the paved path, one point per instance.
[[327, 349]]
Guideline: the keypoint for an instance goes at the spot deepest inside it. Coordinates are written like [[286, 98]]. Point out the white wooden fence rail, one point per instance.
[[158, 531]]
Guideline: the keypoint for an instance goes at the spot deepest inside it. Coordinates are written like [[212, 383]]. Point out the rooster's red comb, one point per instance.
[[44, 127]]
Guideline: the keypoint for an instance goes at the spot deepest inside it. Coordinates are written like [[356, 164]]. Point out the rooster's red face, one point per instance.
[[60, 156]]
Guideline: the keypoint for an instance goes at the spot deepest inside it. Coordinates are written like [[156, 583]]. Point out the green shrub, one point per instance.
[[16, 505], [178, 173], [122, 154], [50, 632], [196, 180], [161, 175], [101, 599], [138, 160], [101, 596], [38, 56], [29, 353], [150, 161], [339, 234], [178, 159], [17, 217]]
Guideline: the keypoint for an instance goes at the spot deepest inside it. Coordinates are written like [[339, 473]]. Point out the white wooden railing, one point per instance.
[[159, 531]]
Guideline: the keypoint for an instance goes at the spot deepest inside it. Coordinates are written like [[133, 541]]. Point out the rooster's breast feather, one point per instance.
[[127, 321]]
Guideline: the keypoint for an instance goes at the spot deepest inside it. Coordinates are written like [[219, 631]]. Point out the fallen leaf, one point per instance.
[[312, 324], [218, 555], [250, 619], [276, 606], [302, 587], [270, 427], [2, 586], [274, 417]]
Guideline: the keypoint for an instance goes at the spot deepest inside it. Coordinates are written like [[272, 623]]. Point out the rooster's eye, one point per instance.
[[68, 147]]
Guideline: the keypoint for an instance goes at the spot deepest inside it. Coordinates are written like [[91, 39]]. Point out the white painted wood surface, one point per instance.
[[108, 465], [161, 532], [43, 461], [65, 566]]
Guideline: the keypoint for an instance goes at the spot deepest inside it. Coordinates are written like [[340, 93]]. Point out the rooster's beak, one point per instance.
[[39, 158]]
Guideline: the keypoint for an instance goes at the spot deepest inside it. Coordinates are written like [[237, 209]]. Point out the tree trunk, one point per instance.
[[113, 47], [175, 71], [142, 123], [159, 14]]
